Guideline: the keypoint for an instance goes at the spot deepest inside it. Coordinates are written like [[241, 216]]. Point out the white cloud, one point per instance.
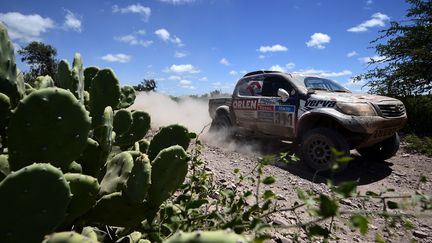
[[377, 20], [141, 32], [133, 40], [325, 74], [164, 35], [203, 79], [26, 28], [369, 2], [186, 84], [145, 12], [179, 54], [176, 2], [371, 59], [285, 68], [233, 72], [183, 68], [217, 84], [317, 40], [225, 62], [72, 22], [351, 54], [121, 58], [261, 56], [274, 48], [174, 77]]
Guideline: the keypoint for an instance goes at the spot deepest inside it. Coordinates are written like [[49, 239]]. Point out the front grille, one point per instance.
[[392, 110]]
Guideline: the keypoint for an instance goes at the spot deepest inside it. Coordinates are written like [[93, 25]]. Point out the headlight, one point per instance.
[[356, 109]]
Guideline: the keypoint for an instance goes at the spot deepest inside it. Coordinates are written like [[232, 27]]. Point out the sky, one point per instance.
[[196, 46]]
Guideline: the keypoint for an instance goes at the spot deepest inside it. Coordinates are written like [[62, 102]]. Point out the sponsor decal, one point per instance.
[[265, 115], [284, 119], [268, 101], [265, 107], [320, 103], [254, 86], [245, 104], [285, 108]]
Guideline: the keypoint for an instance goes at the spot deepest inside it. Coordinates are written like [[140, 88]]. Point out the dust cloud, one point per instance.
[[193, 114]]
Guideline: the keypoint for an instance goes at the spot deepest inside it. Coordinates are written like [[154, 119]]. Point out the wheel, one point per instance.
[[316, 148], [221, 124], [382, 150]]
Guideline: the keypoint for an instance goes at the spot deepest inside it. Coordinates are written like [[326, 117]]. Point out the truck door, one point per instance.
[[274, 116], [245, 101]]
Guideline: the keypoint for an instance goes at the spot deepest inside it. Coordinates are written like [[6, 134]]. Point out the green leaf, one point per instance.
[[269, 180], [301, 194], [236, 170], [408, 224], [268, 194], [317, 230], [196, 203], [327, 207], [192, 135], [392, 205], [361, 222], [371, 193], [379, 238], [267, 159], [262, 238], [346, 189], [423, 179]]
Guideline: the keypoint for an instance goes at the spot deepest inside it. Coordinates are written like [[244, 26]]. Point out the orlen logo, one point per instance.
[[245, 104]]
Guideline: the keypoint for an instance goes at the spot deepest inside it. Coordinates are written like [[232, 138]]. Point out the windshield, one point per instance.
[[323, 84]]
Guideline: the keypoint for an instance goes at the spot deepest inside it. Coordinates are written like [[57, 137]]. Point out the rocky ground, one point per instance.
[[401, 173]]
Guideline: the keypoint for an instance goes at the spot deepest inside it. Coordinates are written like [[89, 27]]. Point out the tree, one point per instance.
[[405, 50], [146, 85], [41, 59]]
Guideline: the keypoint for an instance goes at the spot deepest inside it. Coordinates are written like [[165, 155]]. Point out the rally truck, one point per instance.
[[315, 113]]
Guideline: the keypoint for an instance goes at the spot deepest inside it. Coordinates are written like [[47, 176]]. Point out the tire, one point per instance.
[[221, 124], [316, 148], [382, 150]]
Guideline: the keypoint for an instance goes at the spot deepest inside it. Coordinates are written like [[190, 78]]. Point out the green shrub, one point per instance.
[[419, 112]]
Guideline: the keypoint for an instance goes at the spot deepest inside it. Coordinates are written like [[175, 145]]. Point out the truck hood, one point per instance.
[[351, 97]]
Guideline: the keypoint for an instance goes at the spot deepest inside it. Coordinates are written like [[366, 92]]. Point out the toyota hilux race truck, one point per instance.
[[316, 113]]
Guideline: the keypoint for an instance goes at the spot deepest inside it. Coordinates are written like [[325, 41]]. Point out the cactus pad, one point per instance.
[[139, 180], [169, 170], [68, 237], [117, 173], [42, 82], [90, 160], [48, 126], [220, 236], [116, 210], [89, 73], [122, 121], [105, 91], [84, 189], [127, 97], [168, 136], [138, 129], [33, 202]]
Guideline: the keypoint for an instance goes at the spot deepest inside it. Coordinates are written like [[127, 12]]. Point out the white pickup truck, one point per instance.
[[314, 112]]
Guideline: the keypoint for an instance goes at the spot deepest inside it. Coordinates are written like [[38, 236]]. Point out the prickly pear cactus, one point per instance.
[[169, 170], [33, 202], [89, 73], [139, 180], [105, 91], [138, 129], [48, 126], [220, 236], [89, 232], [68, 237], [84, 190], [73, 167], [122, 121], [64, 75], [117, 173], [91, 159], [72, 79], [116, 210], [10, 84], [168, 136], [133, 237], [143, 145], [127, 97], [42, 82], [4, 167], [5, 113]]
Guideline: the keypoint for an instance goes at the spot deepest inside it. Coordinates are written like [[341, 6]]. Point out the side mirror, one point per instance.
[[283, 94]]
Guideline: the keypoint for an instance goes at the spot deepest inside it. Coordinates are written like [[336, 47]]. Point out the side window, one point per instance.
[[272, 84], [250, 87]]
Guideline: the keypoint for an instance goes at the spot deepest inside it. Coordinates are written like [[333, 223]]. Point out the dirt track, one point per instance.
[[400, 173]]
